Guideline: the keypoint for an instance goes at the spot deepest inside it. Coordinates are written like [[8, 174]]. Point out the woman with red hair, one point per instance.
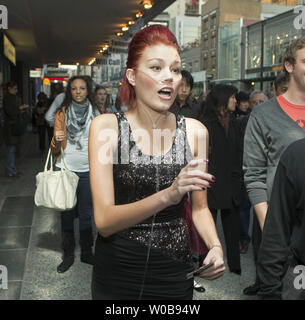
[[141, 168]]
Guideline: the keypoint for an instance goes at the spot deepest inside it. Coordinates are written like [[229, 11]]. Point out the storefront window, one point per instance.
[[229, 50], [277, 36], [254, 47]]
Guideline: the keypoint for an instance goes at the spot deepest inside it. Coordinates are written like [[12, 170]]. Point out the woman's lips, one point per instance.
[[165, 96], [165, 93]]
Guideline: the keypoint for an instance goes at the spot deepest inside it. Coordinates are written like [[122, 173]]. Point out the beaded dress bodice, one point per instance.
[[137, 175]]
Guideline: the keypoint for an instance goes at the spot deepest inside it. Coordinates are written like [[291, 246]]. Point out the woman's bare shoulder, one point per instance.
[[193, 124], [105, 121]]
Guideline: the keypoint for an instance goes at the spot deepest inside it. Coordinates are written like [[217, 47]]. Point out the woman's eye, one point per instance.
[[177, 70], [155, 68]]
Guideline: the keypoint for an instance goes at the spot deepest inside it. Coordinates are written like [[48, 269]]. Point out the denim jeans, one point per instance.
[[244, 214], [83, 209], [10, 156]]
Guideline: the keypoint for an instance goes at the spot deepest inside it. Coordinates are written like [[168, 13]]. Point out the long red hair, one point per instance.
[[146, 37]]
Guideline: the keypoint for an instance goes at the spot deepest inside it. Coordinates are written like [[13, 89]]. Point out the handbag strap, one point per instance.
[[63, 158], [47, 161]]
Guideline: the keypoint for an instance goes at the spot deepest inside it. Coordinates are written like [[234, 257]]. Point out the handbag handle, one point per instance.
[[63, 158], [47, 161], [51, 156]]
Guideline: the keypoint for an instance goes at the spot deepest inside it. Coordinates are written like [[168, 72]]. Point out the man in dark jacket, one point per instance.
[[184, 104], [285, 216]]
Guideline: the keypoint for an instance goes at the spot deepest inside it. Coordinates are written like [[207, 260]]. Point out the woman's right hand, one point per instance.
[[59, 136], [191, 178]]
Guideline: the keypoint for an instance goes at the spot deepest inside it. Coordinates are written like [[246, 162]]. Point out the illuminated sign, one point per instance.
[[35, 73], [46, 81], [9, 50]]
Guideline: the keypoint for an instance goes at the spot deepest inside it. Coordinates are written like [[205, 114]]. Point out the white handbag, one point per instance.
[[56, 189]]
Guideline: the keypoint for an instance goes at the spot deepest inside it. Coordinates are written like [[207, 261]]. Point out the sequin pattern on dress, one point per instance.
[[137, 175]]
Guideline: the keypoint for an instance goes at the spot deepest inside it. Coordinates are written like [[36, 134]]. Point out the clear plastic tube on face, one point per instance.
[[161, 81]]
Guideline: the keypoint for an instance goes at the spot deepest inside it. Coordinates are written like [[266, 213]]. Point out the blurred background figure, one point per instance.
[[242, 113], [100, 99], [256, 98], [54, 103], [15, 122], [185, 104], [39, 115], [110, 105], [280, 84], [202, 97], [242, 107], [103, 100]]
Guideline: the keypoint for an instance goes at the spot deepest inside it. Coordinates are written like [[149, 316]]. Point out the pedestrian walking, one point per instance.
[[225, 165], [71, 132]]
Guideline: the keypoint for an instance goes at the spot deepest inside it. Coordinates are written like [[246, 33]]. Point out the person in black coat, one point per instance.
[[225, 164], [283, 240]]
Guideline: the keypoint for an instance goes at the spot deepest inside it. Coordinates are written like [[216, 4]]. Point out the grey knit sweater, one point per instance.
[[269, 132]]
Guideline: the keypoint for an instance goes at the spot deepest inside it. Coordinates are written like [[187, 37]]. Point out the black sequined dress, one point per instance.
[[121, 270]]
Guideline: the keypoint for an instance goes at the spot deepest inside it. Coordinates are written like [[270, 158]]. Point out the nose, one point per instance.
[[167, 77]]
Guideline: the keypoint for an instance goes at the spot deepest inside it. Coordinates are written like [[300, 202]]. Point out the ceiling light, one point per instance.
[[131, 22], [119, 34], [125, 28], [91, 61], [147, 4], [139, 14]]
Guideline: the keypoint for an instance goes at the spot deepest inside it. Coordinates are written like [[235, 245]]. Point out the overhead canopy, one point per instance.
[[70, 31]]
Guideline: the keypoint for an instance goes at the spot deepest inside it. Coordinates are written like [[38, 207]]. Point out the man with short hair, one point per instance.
[[184, 105], [272, 127]]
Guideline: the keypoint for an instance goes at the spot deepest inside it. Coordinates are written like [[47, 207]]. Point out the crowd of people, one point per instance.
[[138, 160]]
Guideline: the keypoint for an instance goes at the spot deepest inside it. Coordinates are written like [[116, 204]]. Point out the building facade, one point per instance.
[[266, 43], [190, 57], [215, 14]]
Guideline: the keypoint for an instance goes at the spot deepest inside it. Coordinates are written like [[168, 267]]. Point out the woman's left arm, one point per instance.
[[198, 138]]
